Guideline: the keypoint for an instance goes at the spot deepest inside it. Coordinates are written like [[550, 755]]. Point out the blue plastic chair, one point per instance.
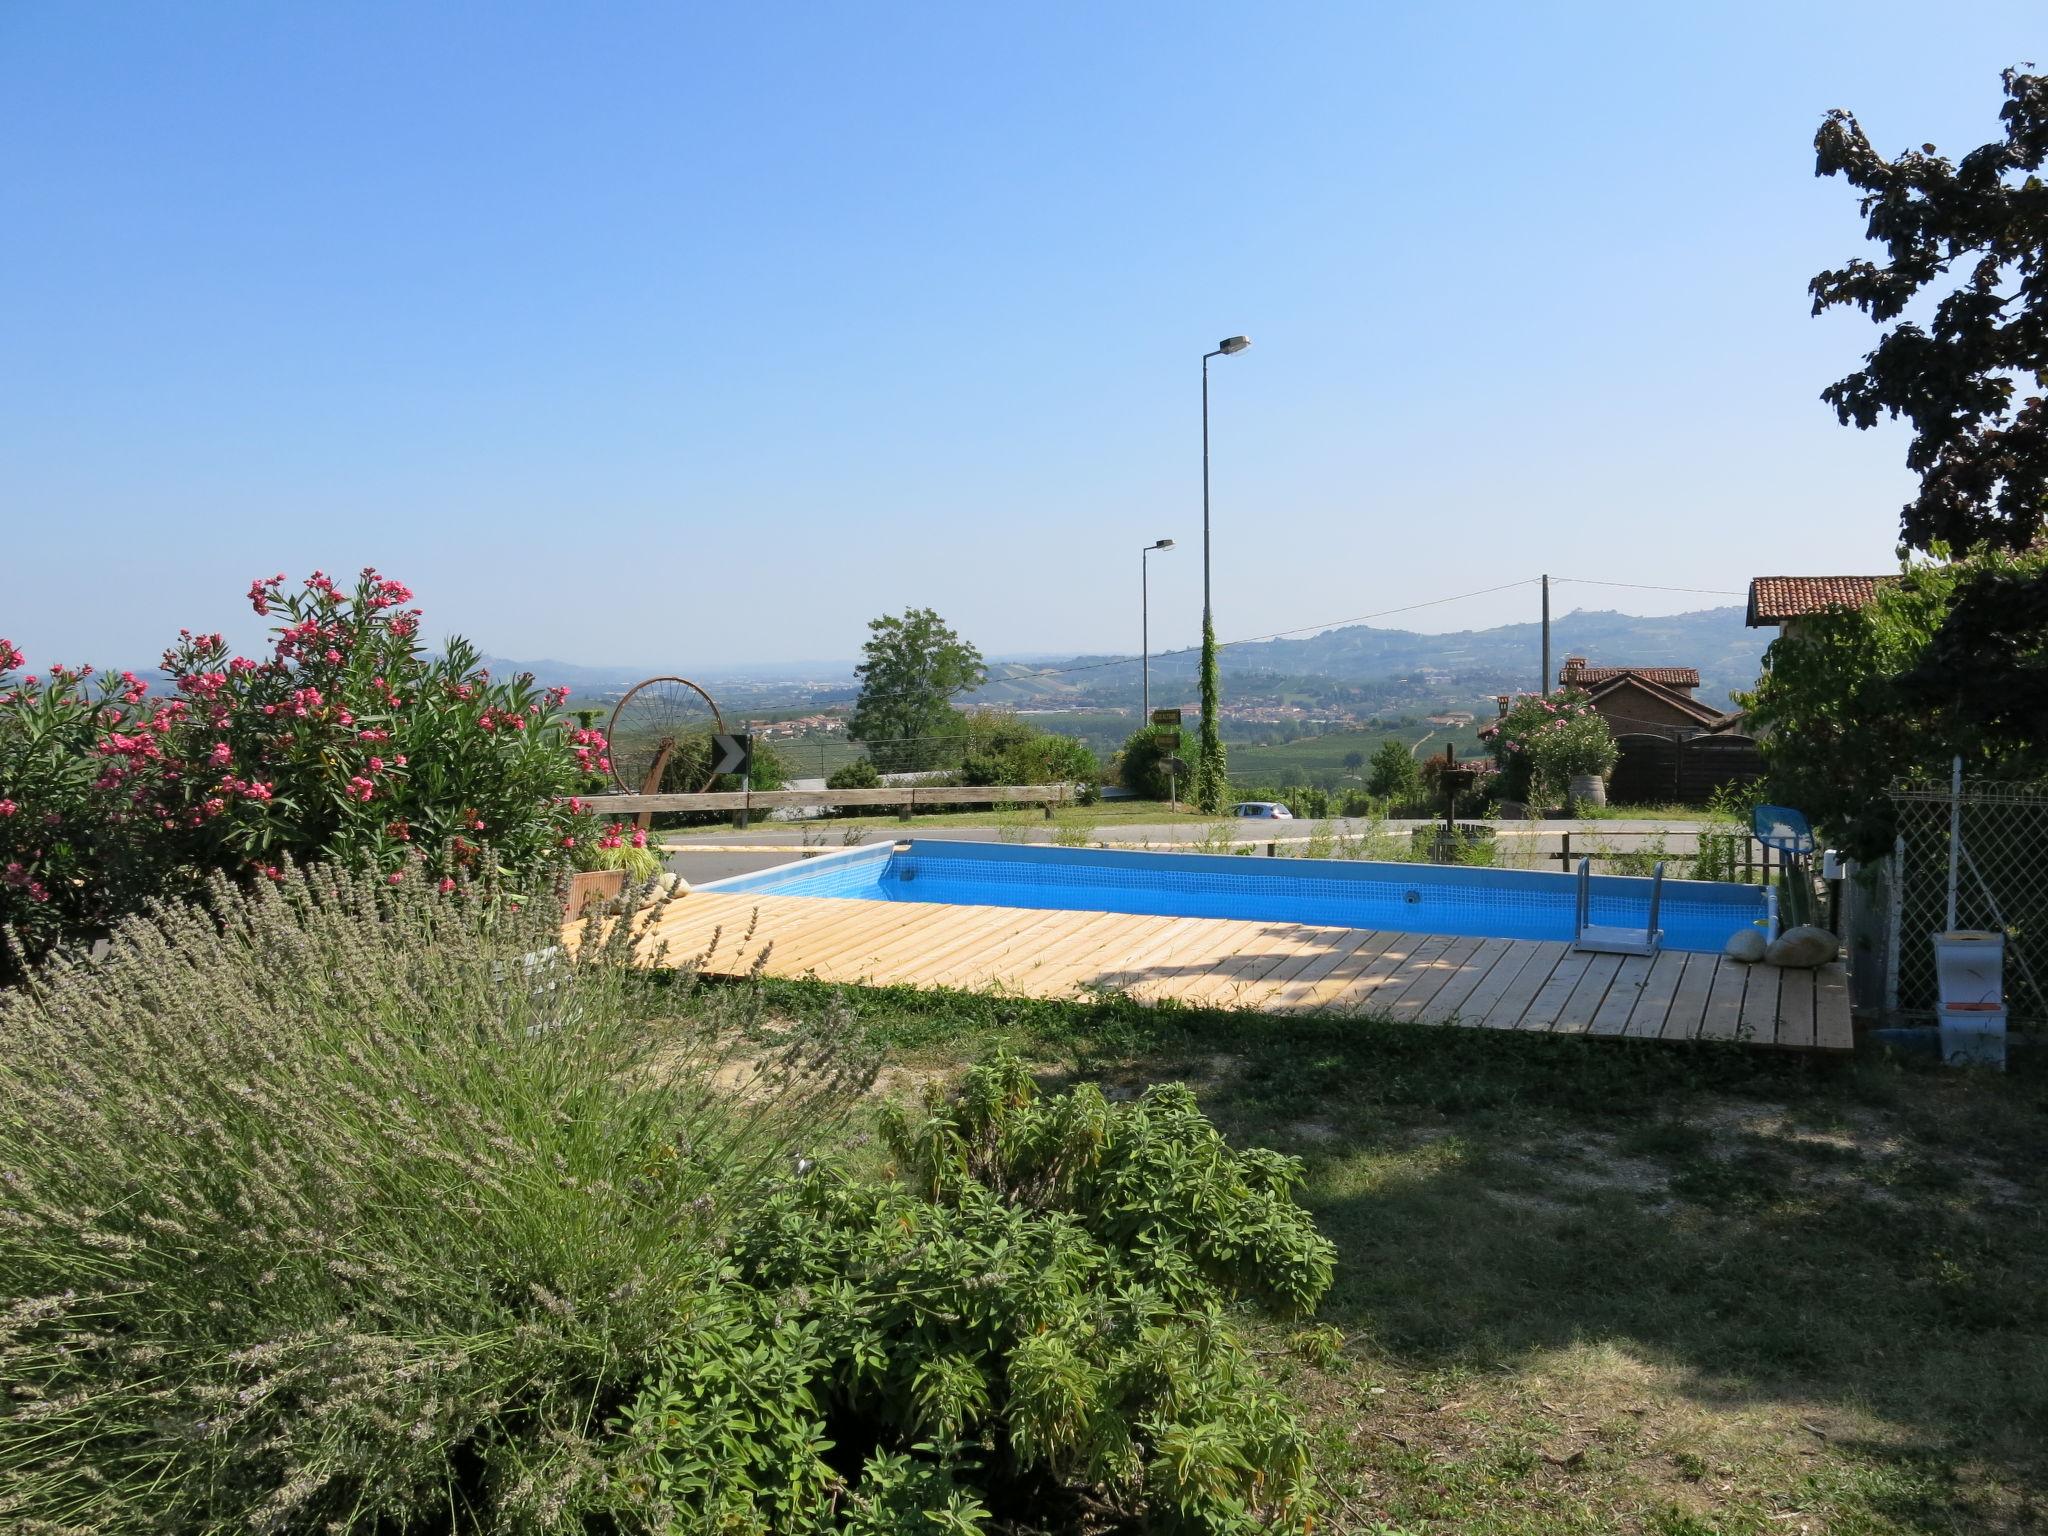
[[1782, 828]]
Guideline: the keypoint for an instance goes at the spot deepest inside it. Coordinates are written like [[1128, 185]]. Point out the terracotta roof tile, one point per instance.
[[1773, 599], [1670, 677]]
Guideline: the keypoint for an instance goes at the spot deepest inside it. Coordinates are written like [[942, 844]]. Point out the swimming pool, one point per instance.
[[1696, 915]]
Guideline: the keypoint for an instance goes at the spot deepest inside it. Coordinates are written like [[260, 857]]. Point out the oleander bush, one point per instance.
[[349, 742]]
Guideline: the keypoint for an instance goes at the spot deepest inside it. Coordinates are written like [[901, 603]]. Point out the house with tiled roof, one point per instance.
[[1655, 700], [1784, 601]]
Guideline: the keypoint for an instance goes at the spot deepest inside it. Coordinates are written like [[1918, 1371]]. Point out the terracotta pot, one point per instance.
[[589, 885]]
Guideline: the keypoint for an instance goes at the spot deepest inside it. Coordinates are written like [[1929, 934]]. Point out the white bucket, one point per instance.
[[1969, 966], [1973, 1037]]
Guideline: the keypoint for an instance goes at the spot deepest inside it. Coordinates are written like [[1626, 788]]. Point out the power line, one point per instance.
[[1643, 586]]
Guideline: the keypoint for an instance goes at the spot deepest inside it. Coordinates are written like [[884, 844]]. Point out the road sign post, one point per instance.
[[733, 752]]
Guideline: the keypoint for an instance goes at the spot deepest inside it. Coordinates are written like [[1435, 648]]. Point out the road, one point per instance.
[[714, 855]]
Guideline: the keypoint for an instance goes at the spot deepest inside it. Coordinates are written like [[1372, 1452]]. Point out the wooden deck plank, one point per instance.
[[819, 951], [1477, 967], [1171, 973], [1834, 1028], [1129, 968], [1724, 1000], [1049, 971], [1795, 1009], [1623, 994], [1389, 968], [1224, 985], [1758, 1022], [782, 920], [1556, 990], [1265, 965], [1576, 1016], [1386, 955], [1356, 941], [1113, 941], [1653, 1002], [1435, 974], [1004, 955], [1498, 1001], [1689, 1002], [958, 949], [1318, 942], [856, 955]]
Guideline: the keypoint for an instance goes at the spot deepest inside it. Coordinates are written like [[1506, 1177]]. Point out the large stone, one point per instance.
[[1746, 945], [1803, 948]]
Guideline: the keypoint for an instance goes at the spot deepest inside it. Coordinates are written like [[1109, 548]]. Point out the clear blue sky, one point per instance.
[[690, 335]]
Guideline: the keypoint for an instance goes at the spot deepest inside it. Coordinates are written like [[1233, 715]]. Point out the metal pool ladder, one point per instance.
[[1616, 941]]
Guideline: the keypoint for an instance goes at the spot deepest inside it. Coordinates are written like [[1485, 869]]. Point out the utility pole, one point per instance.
[[1544, 686]]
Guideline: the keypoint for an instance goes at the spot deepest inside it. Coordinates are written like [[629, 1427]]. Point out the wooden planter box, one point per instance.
[[593, 885]]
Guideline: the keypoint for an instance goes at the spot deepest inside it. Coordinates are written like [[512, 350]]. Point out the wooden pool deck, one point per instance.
[[1266, 966]]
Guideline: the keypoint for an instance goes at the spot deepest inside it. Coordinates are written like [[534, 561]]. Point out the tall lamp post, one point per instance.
[[1209, 763], [1145, 621]]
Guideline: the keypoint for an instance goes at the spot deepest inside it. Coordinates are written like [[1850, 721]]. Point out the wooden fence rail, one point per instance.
[[905, 797]]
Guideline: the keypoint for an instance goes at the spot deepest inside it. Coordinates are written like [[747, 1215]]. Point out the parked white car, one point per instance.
[[1262, 810]]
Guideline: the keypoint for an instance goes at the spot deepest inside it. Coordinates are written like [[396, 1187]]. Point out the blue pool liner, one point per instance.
[[1695, 915]]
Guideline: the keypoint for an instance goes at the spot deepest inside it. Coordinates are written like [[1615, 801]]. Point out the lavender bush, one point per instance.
[[333, 1205]]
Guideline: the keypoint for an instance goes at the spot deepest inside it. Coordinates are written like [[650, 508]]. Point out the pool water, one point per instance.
[[1696, 915]]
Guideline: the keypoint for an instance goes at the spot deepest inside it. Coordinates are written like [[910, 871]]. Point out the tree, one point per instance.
[[1212, 766], [913, 668], [1979, 228], [1951, 659], [1858, 700], [1395, 774], [1353, 761]]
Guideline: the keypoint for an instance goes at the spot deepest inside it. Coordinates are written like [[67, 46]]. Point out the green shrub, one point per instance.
[[1039, 1309], [1141, 765], [861, 773], [1003, 749], [337, 1205]]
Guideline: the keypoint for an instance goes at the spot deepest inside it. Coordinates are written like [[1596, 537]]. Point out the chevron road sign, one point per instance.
[[732, 753]]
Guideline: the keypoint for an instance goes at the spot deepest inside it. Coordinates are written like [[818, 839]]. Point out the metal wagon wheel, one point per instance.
[[656, 722]]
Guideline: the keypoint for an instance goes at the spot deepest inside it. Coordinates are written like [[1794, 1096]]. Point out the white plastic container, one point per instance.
[[1969, 972], [1969, 966], [1973, 1037]]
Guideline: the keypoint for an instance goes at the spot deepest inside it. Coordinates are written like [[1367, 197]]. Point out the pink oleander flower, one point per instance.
[[8, 807], [394, 878], [446, 885], [361, 789], [220, 755]]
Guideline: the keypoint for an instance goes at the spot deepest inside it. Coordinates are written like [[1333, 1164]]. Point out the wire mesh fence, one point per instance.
[[2001, 869]]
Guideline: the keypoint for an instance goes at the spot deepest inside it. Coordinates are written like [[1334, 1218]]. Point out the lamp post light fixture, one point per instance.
[[1145, 620], [1210, 759]]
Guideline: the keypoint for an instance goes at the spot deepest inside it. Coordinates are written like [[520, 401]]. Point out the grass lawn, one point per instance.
[[1607, 1286]]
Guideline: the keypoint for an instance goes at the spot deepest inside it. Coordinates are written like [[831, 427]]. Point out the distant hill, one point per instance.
[[1451, 667], [1714, 640]]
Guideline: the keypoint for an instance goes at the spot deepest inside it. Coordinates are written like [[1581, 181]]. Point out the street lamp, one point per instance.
[[1212, 732], [1145, 621]]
